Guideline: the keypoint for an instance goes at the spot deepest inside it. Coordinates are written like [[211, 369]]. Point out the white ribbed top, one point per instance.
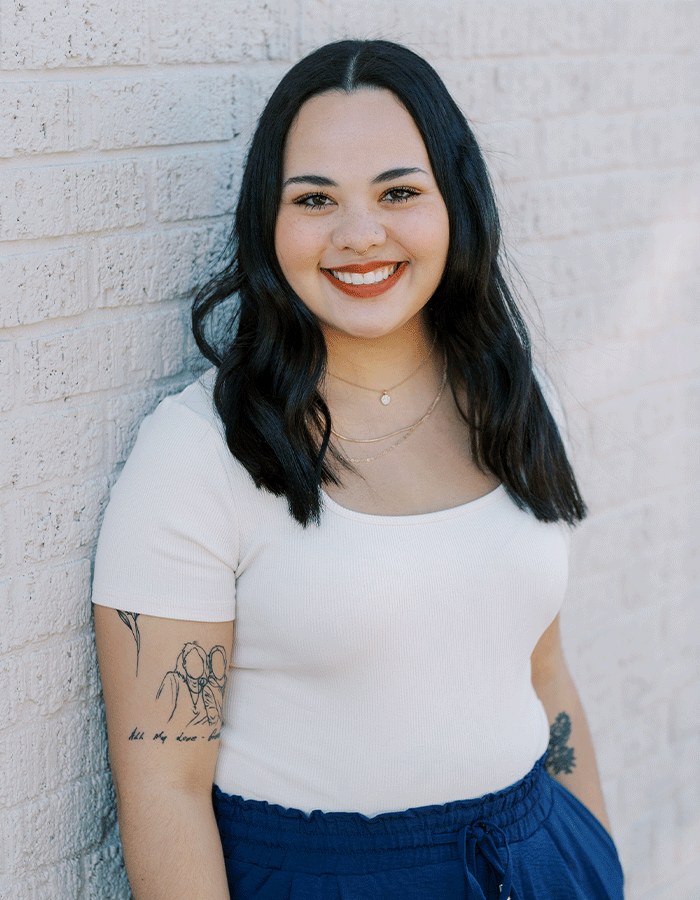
[[380, 662]]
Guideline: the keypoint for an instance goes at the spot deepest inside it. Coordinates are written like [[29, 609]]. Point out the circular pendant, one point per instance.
[[385, 398]]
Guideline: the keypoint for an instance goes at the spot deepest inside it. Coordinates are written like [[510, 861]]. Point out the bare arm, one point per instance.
[[163, 683], [571, 758]]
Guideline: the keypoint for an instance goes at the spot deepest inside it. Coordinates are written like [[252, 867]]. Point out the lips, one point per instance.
[[365, 290]]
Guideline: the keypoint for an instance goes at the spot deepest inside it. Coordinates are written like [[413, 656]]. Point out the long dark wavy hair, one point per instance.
[[271, 354]]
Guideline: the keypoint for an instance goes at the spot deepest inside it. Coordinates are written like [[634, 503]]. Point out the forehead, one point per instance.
[[365, 130]]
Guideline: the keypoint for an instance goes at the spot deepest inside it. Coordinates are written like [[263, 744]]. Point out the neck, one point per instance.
[[376, 363], [407, 366]]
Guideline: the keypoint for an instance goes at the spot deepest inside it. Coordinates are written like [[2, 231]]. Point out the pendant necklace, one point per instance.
[[385, 396], [404, 432]]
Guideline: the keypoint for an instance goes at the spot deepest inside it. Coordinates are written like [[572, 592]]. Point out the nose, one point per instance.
[[358, 229]]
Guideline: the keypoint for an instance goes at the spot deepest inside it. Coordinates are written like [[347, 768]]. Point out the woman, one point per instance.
[[379, 496]]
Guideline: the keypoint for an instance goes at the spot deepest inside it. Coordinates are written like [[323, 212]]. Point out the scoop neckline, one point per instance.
[[450, 512]]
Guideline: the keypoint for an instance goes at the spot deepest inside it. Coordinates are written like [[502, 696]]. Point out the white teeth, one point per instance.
[[375, 277]]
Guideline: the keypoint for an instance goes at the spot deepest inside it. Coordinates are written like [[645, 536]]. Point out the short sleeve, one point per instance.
[[169, 541]]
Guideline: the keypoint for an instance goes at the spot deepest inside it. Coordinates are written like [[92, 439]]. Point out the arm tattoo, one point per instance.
[[191, 694], [194, 689], [129, 619], [560, 758]]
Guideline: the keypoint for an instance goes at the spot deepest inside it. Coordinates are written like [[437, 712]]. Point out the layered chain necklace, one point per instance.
[[403, 432]]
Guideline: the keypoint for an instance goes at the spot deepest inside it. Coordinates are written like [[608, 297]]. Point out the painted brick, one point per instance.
[[150, 268], [105, 868], [567, 206], [7, 377], [38, 117], [497, 29], [59, 880], [50, 447], [620, 747], [157, 111], [196, 185], [38, 286], [651, 578], [221, 31], [53, 524], [624, 649], [691, 404], [320, 21], [571, 320], [67, 363], [39, 34], [617, 535], [74, 814], [13, 697], [632, 364], [680, 624], [587, 264], [577, 27], [684, 707], [527, 88], [57, 200], [642, 786], [89, 359], [252, 86], [620, 472], [45, 604], [670, 26], [39, 760], [72, 664], [511, 149], [153, 346], [3, 543]]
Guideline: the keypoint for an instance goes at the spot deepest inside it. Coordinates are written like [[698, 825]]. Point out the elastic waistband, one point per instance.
[[509, 815]]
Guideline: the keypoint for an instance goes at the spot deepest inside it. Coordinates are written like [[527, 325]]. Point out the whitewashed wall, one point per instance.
[[123, 125]]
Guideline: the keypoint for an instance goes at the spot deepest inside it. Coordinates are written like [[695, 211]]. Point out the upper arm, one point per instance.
[[163, 682], [547, 660]]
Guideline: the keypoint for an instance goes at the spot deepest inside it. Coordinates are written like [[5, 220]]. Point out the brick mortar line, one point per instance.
[[23, 246]]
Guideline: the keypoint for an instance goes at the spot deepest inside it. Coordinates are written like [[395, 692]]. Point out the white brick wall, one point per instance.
[[122, 130]]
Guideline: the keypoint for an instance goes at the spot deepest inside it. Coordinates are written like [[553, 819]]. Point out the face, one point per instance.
[[357, 180]]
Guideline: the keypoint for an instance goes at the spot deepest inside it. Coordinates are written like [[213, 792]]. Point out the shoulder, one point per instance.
[[180, 443], [173, 514], [183, 418]]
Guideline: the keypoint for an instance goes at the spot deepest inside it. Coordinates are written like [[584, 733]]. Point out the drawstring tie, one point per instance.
[[479, 836]]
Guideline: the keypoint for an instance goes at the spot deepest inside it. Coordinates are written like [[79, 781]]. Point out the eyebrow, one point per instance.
[[322, 181]]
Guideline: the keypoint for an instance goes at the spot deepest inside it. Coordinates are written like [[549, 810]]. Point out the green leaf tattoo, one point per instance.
[[560, 757]]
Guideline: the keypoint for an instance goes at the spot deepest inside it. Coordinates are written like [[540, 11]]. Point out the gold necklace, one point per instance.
[[385, 396], [409, 430], [370, 440]]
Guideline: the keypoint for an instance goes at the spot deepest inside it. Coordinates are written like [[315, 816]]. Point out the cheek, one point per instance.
[[297, 243], [431, 237]]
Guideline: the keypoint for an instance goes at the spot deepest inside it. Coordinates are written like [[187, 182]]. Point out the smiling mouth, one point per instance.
[[365, 279], [375, 276]]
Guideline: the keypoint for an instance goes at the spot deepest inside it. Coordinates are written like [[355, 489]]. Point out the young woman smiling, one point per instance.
[[373, 485]]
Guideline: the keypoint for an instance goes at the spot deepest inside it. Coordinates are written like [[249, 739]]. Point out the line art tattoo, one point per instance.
[[195, 688], [129, 619], [560, 757]]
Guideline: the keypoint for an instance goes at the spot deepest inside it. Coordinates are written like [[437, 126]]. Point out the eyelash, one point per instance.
[[304, 200]]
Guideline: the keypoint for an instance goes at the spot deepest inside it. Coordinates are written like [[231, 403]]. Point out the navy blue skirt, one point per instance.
[[532, 841]]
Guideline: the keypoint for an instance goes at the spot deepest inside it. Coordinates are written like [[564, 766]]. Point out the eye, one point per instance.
[[313, 201], [399, 194]]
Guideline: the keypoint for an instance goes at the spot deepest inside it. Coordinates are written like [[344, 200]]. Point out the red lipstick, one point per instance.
[[365, 290]]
